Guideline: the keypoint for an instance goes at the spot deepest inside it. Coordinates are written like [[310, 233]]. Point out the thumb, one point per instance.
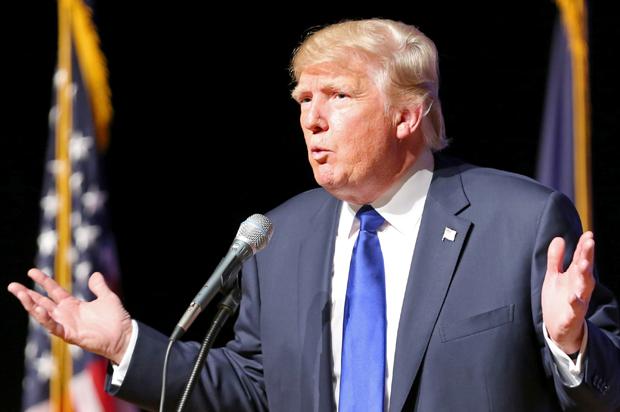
[[97, 285], [555, 255]]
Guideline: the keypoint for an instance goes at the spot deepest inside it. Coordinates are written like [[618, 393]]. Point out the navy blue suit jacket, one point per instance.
[[470, 333]]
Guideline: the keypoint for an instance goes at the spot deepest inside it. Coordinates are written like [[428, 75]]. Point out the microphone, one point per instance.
[[252, 236]]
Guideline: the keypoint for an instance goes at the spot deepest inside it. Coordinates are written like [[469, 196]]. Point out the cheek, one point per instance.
[[307, 135], [359, 140]]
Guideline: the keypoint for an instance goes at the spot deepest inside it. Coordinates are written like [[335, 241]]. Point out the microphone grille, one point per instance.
[[256, 231]]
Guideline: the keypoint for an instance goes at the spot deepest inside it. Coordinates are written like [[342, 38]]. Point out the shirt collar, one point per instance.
[[402, 205]]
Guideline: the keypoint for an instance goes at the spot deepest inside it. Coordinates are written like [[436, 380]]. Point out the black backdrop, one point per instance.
[[205, 134]]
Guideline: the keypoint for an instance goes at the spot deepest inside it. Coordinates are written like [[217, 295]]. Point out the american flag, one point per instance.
[[75, 117], [564, 153]]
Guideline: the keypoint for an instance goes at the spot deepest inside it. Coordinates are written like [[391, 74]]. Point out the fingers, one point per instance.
[[39, 300], [54, 291], [41, 315], [21, 293], [587, 252], [97, 285], [30, 299], [15, 287], [584, 264], [583, 246], [555, 255], [583, 257], [38, 306]]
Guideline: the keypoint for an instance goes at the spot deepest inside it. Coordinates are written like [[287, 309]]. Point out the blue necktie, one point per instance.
[[362, 377]]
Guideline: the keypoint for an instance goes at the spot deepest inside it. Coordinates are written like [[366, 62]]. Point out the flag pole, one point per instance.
[[60, 395], [574, 16]]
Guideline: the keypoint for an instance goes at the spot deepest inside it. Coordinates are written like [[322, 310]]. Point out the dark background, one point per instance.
[[205, 133]]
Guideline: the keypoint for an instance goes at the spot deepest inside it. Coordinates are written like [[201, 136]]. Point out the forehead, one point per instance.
[[326, 74]]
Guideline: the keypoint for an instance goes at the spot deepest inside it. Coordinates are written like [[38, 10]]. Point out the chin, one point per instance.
[[326, 180], [339, 191], [327, 174]]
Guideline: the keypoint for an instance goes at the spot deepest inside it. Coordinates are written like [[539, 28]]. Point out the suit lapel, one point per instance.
[[433, 265], [314, 308]]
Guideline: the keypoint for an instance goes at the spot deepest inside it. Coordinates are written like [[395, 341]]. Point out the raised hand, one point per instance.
[[566, 295], [101, 326]]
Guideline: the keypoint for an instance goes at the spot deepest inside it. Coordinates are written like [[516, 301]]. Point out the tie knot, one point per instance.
[[370, 219]]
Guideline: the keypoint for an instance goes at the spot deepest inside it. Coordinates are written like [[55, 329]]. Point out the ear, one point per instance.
[[408, 120]]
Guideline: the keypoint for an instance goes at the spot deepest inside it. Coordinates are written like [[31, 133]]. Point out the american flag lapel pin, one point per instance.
[[448, 234]]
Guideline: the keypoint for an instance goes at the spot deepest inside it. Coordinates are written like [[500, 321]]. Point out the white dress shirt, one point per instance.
[[402, 208]]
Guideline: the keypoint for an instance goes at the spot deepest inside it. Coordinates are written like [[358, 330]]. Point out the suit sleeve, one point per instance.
[[231, 379], [600, 388]]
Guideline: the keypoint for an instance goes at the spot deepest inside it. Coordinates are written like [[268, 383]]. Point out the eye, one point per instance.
[[303, 99], [341, 95]]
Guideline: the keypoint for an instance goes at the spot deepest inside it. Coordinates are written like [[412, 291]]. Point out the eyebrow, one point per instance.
[[296, 93], [352, 87]]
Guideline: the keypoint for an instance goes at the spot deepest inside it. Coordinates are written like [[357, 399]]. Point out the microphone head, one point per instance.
[[256, 231]]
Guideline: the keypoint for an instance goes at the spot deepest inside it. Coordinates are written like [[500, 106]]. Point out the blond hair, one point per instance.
[[403, 59]]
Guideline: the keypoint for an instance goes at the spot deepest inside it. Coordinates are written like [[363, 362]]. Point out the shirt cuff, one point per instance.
[[119, 371], [570, 371]]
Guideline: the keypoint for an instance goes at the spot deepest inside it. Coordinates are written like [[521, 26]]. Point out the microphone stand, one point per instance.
[[227, 307]]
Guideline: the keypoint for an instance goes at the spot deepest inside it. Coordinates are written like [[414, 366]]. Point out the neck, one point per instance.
[[384, 189]]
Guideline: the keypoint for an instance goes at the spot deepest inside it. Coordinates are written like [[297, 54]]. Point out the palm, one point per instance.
[[92, 325]]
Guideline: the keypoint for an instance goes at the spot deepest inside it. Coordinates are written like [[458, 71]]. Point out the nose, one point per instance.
[[312, 119]]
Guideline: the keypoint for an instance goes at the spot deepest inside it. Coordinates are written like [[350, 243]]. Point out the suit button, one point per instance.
[[605, 389], [600, 384]]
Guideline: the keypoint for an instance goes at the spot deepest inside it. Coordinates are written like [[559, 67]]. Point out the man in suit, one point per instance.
[[486, 297]]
